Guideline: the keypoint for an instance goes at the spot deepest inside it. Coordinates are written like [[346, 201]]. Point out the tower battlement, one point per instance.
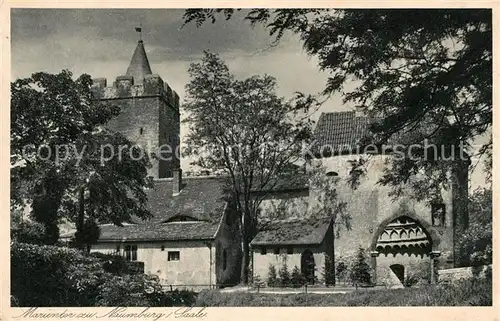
[[124, 87]]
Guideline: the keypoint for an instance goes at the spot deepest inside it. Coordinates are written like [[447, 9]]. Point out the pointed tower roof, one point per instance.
[[139, 65]]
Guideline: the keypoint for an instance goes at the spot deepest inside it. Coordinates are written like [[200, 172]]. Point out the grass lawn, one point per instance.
[[462, 293]]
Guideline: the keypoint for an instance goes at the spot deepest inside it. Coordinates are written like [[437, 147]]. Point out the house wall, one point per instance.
[[193, 267], [261, 262], [371, 207]]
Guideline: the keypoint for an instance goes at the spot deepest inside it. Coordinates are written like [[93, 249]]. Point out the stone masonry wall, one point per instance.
[[149, 117]]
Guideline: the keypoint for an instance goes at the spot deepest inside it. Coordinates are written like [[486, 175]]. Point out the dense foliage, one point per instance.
[[61, 159], [438, 75], [476, 243], [244, 129], [44, 275]]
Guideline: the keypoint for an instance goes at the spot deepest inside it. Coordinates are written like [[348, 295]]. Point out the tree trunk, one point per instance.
[[46, 205], [245, 259], [460, 195], [80, 220]]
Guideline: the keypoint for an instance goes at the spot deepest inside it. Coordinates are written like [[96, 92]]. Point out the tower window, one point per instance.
[[174, 255], [438, 211]]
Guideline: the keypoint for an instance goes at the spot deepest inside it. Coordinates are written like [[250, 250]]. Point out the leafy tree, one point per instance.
[[272, 277], [57, 161], [246, 131], [476, 243], [419, 82], [360, 271]]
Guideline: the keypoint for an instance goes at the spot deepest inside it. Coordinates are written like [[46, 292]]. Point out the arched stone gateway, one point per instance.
[[403, 248], [406, 236]]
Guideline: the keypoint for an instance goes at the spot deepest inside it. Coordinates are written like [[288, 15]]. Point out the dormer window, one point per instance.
[[141, 131], [332, 174]]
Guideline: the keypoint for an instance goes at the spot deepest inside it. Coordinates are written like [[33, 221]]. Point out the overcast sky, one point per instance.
[[100, 42]]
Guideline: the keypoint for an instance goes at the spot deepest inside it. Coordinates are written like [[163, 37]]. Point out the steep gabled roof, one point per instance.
[[139, 65], [339, 132], [201, 198]]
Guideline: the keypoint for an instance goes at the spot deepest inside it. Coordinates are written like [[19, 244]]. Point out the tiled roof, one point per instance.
[[177, 231], [202, 198], [339, 132], [293, 232], [344, 132]]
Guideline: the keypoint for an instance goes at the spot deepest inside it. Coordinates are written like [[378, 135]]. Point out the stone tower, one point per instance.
[[149, 112]]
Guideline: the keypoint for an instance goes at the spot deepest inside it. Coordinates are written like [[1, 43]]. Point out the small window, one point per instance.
[[276, 250], [118, 248], [163, 247], [289, 250], [174, 255], [438, 211], [141, 131], [131, 253], [224, 259], [332, 174], [263, 250]]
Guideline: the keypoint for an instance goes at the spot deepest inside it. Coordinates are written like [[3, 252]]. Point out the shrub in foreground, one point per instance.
[[59, 276]]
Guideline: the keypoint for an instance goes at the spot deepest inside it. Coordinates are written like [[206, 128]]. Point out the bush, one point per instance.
[[360, 272], [284, 276], [130, 290], [298, 279], [272, 278], [44, 275], [342, 270], [28, 232], [328, 272], [58, 276]]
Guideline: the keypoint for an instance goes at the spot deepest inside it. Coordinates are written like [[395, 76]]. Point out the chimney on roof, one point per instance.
[[177, 181]]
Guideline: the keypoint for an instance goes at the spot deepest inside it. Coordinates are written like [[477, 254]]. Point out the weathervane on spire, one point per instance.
[[139, 30]]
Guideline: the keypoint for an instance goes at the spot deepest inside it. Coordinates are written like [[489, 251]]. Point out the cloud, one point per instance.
[[100, 42]]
